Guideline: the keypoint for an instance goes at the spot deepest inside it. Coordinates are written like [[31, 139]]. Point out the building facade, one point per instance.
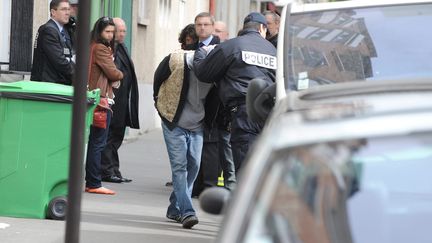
[[153, 28]]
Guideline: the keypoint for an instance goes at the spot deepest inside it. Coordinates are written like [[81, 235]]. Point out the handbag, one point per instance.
[[100, 114]]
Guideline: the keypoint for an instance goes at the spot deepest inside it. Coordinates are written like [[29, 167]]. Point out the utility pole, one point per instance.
[[79, 110]]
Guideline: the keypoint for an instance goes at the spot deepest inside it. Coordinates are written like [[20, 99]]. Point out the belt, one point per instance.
[[235, 103]]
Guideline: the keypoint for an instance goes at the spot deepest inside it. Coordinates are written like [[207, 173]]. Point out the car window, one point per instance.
[[358, 44], [395, 190], [374, 190]]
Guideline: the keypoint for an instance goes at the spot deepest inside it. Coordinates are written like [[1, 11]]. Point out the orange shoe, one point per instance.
[[100, 190]]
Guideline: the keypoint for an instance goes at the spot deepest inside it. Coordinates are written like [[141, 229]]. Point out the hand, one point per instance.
[[208, 48], [116, 84]]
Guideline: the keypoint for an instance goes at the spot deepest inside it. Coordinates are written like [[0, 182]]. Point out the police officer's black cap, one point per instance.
[[255, 17]]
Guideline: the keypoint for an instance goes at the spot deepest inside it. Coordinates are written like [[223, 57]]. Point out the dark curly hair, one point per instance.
[[189, 30]]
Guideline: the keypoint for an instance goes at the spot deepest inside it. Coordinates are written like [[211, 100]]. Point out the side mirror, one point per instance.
[[214, 199], [260, 99]]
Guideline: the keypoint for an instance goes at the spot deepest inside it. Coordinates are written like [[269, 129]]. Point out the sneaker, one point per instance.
[[189, 221], [100, 190], [176, 218]]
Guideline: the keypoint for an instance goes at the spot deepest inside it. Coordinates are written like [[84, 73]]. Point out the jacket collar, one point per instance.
[[247, 31]]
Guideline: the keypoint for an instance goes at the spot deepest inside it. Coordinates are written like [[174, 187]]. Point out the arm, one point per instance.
[[103, 58], [211, 68], [161, 74], [54, 51]]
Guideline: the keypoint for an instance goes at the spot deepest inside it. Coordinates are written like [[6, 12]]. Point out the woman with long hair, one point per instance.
[[103, 75]]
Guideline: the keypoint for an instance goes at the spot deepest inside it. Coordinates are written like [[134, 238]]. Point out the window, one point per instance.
[[181, 13], [5, 25], [143, 18], [340, 190], [164, 12], [366, 44]]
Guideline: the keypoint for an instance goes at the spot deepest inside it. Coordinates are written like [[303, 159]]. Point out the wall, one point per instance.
[[40, 15], [233, 14]]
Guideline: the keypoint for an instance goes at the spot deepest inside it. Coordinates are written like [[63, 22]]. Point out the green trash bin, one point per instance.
[[35, 129]]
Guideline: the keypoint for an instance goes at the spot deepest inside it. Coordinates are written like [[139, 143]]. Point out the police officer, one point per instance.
[[232, 65]]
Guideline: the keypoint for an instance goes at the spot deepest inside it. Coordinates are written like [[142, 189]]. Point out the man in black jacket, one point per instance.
[[125, 109], [232, 65], [53, 57], [273, 20]]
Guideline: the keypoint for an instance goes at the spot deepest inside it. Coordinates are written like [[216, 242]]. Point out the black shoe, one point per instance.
[[113, 179], [189, 221], [124, 179], [176, 218], [169, 183]]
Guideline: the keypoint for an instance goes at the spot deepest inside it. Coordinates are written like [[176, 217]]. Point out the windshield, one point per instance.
[[358, 44], [372, 190]]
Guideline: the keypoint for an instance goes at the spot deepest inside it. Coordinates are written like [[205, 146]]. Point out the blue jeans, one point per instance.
[[184, 151], [96, 144]]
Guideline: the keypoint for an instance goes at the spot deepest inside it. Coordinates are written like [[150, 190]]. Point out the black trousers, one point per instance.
[[110, 163], [209, 168], [216, 157], [243, 135], [226, 159]]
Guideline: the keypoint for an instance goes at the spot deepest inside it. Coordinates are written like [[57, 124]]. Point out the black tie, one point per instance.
[[65, 37], [201, 44]]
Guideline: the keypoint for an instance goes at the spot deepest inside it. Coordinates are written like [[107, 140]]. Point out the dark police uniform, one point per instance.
[[233, 64]]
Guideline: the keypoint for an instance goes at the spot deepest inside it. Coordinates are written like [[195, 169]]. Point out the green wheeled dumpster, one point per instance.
[[35, 132]]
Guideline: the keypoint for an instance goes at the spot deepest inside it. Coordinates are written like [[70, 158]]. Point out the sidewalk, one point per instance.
[[135, 214]]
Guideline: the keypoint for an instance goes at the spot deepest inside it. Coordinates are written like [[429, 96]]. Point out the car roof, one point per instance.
[[299, 7], [344, 110], [362, 89]]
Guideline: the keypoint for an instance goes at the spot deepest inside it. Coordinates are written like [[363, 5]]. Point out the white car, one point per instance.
[[345, 163], [341, 160]]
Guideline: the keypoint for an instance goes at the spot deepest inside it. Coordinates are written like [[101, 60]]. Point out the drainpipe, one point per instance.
[[212, 5]]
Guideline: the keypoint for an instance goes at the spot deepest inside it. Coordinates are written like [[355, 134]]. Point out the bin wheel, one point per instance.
[[57, 208]]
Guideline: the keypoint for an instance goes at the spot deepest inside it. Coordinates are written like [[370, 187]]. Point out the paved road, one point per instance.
[[135, 214]]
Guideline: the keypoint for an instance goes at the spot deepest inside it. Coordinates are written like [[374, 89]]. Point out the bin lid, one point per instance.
[[42, 89]]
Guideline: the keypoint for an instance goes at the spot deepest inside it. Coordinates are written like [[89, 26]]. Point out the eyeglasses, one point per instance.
[[203, 25], [63, 9]]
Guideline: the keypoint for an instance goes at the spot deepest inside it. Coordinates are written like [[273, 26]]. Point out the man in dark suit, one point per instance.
[[53, 58], [273, 21], [125, 109], [209, 169]]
